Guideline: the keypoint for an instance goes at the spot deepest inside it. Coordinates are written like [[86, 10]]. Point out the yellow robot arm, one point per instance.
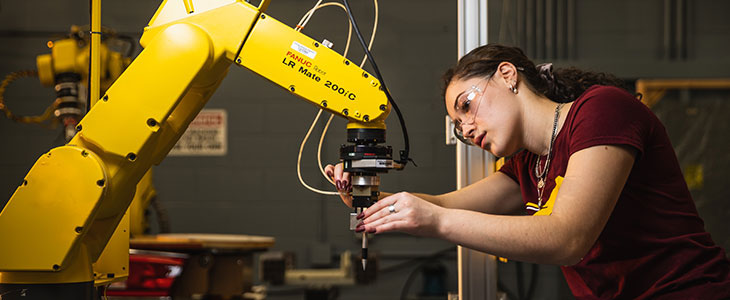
[[63, 214]]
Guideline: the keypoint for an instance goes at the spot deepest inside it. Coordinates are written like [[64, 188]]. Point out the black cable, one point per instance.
[[503, 288], [409, 281], [520, 281], [403, 153], [163, 219], [523, 294], [533, 282], [132, 43]]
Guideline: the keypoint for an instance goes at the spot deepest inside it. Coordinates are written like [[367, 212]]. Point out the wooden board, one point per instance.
[[201, 241]]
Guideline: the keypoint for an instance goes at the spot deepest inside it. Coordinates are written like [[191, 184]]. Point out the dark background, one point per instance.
[[254, 189]]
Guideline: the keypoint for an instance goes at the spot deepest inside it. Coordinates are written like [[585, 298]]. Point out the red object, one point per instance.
[[654, 244], [149, 275]]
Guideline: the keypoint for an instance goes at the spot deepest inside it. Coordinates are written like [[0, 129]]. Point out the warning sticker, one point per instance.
[[303, 50], [206, 135]]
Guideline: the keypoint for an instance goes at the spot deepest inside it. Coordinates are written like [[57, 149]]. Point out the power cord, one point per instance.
[[404, 159], [302, 23]]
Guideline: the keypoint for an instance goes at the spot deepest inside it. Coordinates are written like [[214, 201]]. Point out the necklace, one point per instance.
[[541, 174]]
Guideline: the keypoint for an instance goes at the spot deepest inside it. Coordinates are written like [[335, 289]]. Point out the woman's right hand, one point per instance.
[[342, 181]]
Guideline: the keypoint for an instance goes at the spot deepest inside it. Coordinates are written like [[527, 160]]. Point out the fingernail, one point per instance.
[[329, 174], [345, 183], [338, 184], [360, 228], [360, 215], [372, 230]]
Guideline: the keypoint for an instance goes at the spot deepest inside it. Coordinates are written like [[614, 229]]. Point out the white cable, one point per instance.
[[324, 131], [319, 148], [299, 27], [372, 36], [307, 16], [303, 22], [299, 160]]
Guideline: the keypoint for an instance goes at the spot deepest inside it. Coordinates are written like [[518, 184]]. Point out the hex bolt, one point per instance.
[[84, 153], [131, 156], [25, 182], [151, 122], [100, 182], [316, 44], [383, 107], [106, 98], [291, 88], [78, 229], [345, 111], [238, 60], [263, 16], [364, 74], [324, 103], [347, 62], [366, 118], [56, 267], [78, 127]]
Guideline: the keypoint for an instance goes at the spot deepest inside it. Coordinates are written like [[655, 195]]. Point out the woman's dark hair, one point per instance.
[[559, 85]]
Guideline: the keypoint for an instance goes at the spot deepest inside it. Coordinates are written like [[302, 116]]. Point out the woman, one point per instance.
[[593, 184]]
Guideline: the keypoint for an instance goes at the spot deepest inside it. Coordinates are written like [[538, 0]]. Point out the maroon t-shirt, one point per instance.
[[654, 245]]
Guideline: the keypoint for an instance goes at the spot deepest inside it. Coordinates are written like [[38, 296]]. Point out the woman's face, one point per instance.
[[487, 113]]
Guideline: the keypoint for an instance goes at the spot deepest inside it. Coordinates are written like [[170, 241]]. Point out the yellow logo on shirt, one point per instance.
[[547, 208]]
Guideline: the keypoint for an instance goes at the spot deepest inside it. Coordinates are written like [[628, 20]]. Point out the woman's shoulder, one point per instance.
[[607, 100], [607, 93]]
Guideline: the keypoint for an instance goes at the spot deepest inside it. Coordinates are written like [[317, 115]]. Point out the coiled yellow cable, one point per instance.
[[47, 114]]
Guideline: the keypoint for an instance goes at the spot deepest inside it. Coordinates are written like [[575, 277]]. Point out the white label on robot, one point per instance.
[[206, 135], [303, 50]]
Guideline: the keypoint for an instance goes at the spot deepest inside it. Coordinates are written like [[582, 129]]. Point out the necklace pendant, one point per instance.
[[541, 183]]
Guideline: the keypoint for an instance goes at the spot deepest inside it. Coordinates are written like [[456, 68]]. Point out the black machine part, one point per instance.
[[364, 160]]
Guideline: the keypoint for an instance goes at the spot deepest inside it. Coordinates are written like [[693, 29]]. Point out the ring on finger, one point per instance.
[[391, 208]]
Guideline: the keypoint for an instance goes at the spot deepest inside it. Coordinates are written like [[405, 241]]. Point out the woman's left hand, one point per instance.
[[402, 212]]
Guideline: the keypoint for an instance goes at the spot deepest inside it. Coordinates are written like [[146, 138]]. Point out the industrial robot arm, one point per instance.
[[61, 217]]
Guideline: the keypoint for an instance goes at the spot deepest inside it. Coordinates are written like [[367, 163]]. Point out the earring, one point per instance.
[[513, 88]]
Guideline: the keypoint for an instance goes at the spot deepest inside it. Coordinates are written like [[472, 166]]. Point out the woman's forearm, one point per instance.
[[541, 239]]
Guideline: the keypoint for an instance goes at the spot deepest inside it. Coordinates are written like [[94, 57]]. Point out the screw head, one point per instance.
[[345, 111]]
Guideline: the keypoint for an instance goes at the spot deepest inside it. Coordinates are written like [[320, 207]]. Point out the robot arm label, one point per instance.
[[313, 72]]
